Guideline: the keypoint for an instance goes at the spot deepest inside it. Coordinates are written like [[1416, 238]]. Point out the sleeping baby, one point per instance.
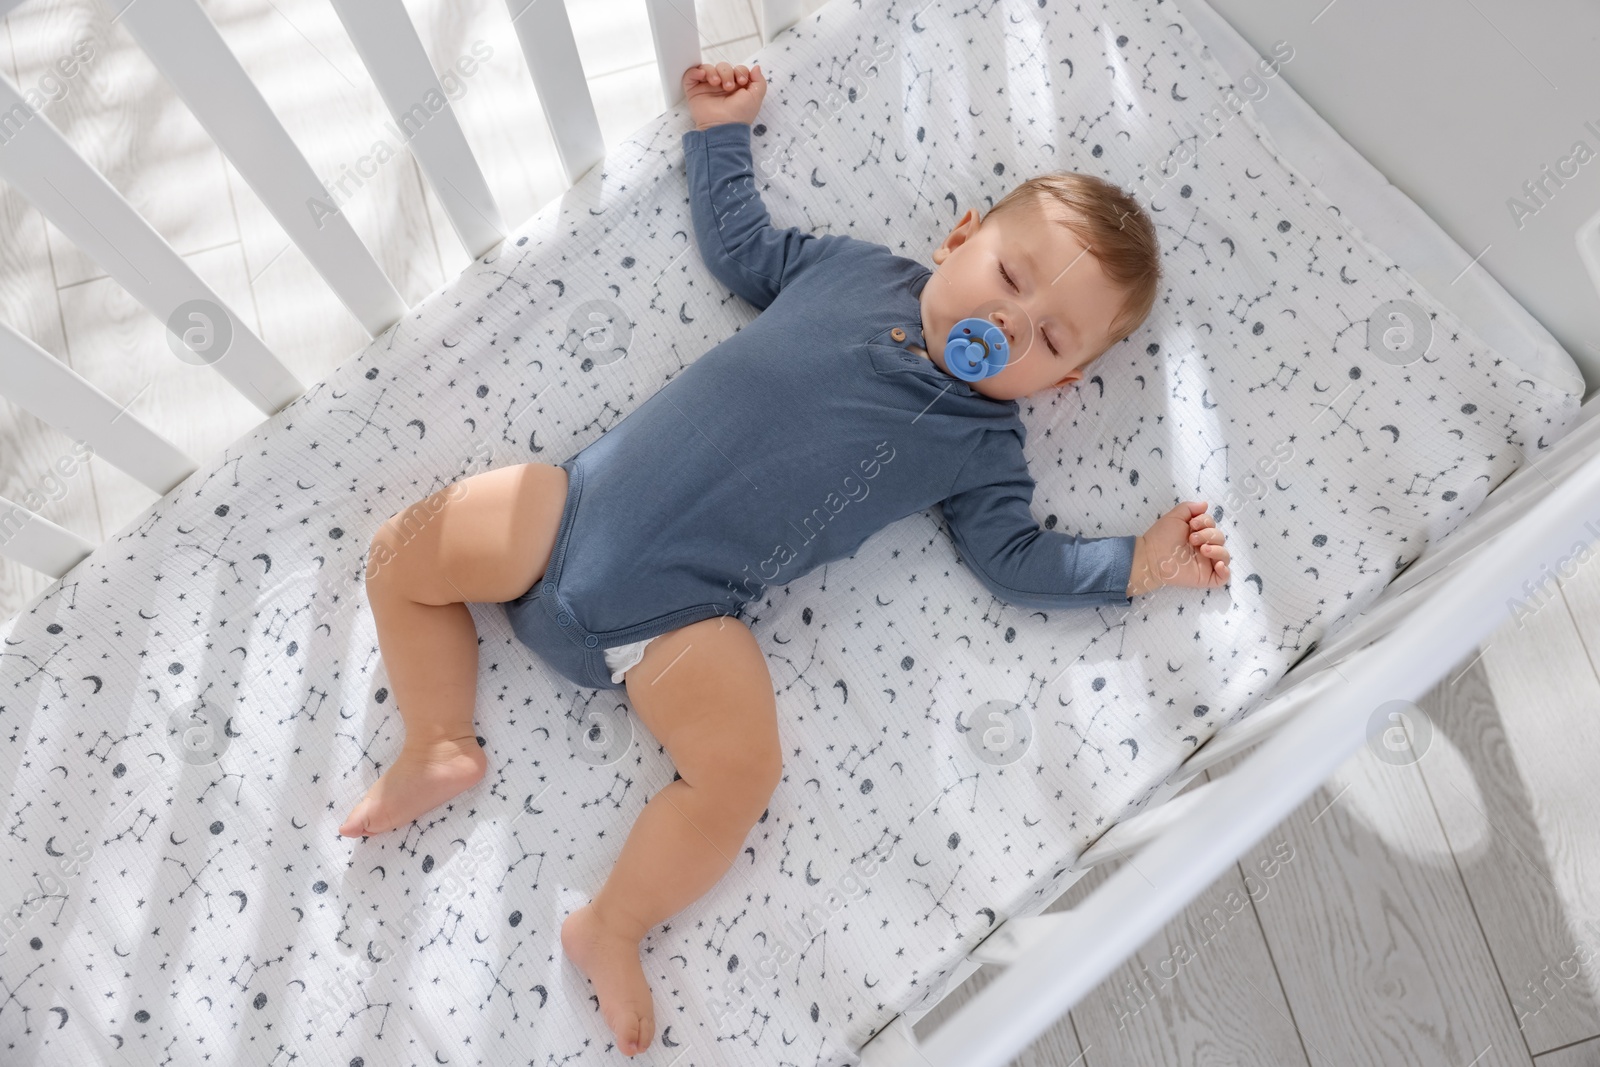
[[841, 408]]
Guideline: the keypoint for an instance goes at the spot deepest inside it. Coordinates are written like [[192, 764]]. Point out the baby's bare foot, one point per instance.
[[611, 962], [422, 778]]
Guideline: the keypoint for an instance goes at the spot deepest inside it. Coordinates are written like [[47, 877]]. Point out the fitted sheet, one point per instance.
[[1384, 214], [188, 713]]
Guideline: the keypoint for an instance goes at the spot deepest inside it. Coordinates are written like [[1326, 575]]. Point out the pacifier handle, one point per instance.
[[976, 349]]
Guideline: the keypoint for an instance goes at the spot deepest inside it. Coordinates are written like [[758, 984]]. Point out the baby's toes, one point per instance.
[[355, 823], [632, 1030], [644, 1030]]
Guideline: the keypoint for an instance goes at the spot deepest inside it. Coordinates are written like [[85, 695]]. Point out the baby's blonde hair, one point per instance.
[[1115, 229]]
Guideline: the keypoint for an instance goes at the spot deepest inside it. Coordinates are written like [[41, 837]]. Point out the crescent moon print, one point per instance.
[[190, 711]]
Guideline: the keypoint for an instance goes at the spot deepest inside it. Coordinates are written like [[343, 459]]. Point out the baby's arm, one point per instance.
[[733, 231], [1018, 561]]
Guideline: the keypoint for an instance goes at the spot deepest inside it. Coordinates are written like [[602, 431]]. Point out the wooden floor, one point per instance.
[[1441, 914]]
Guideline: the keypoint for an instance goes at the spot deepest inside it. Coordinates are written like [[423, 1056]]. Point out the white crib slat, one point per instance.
[[776, 16], [72, 194], [34, 541], [60, 396], [1016, 937], [388, 44], [893, 1046], [676, 32], [547, 42], [1130, 835], [1254, 727], [184, 45]]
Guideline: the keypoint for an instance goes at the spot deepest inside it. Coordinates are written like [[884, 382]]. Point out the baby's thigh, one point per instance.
[[485, 539], [705, 692]]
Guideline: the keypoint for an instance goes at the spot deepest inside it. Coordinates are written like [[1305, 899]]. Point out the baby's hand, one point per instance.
[[720, 92], [1183, 547]]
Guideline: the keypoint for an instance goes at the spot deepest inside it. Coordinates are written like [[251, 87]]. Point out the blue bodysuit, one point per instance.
[[789, 444]]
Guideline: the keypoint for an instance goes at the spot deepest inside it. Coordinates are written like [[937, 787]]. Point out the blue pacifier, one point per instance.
[[976, 349]]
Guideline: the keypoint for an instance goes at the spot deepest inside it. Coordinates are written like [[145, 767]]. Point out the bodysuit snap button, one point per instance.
[[591, 640], [898, 334], [564, 619]]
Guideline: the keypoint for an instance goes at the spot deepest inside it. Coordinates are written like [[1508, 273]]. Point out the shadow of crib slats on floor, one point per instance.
[[1372, 930], [1519, 804]]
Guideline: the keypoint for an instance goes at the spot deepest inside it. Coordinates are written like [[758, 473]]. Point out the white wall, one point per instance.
[[1458, 103]]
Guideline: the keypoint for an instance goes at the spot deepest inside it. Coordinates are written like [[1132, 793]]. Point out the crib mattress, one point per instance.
[[188, 713]]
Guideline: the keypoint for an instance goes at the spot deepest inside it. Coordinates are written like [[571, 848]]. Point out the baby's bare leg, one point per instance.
[[704, 692], [486, 539]]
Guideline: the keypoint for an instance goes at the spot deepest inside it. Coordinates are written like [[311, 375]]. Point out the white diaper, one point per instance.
[[623, 657]]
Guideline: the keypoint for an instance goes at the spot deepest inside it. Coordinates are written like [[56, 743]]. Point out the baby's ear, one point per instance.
[[964, 228]]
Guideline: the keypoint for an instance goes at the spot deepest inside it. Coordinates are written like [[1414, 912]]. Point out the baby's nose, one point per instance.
[[1003, 321]]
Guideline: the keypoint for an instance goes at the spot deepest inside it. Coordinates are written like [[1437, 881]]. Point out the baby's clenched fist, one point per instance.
[[722, 92], [1183, 547]]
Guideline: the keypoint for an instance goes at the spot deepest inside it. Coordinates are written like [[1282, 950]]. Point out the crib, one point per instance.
[[1322, 699]]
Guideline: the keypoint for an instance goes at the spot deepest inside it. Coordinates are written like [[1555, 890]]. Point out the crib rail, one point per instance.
[[1055, 960], [186, 48]]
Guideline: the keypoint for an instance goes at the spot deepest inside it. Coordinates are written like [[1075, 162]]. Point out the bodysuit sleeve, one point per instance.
[[1016, 559], [737, 240]]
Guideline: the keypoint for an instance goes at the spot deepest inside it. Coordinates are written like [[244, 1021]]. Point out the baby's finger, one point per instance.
[[694, 75], [1206, 537], [725, 75], [741, 74], [1201, 521]]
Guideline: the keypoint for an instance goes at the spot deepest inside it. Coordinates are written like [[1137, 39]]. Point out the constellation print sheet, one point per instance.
[[188, 714]]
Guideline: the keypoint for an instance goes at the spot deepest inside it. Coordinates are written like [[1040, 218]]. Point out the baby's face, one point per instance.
[[1052, 300]]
